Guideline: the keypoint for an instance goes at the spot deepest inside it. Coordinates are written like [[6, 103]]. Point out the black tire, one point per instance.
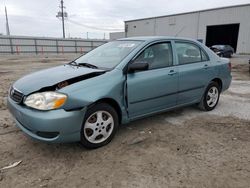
[[92, 110], [203, 105]]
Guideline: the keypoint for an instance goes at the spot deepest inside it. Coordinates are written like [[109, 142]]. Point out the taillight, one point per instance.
[[230, 66]]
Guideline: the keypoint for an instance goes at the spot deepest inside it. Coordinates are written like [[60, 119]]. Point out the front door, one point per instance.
[[154, 89]]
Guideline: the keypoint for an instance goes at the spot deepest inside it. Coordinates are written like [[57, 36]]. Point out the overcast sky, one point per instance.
[[38, 17]]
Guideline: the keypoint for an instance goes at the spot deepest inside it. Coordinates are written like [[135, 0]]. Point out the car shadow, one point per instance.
[[124, 134]]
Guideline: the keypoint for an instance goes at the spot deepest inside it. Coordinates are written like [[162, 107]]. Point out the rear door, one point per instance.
[[154, 89], [194, 71]]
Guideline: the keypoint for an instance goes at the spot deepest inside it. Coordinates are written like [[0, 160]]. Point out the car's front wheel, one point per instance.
[[99, 126], [211, 97]]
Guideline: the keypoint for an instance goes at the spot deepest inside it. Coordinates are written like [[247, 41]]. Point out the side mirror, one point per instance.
[[137, 67]]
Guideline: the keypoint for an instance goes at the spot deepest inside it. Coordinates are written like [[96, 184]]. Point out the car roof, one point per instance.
[[155, 38]]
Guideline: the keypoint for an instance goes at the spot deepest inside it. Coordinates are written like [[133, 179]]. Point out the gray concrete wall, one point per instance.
[[44, 45], [116, 35], [239, 15], [194, 25]]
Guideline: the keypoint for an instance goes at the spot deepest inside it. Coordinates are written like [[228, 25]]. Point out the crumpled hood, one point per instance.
[[49, 77]]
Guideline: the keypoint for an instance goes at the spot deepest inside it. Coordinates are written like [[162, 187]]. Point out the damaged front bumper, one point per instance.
[[54, 126]]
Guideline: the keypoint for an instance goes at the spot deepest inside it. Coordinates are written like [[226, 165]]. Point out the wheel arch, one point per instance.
[[113, 103], [219, 82]]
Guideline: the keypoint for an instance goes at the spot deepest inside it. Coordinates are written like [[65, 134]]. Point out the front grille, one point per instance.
[[16, 95]]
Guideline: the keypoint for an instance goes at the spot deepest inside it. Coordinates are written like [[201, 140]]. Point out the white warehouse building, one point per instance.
[[225, 25]]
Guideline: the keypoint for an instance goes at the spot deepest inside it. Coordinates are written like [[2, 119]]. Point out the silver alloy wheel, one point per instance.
[[212, 96], [98, 127]]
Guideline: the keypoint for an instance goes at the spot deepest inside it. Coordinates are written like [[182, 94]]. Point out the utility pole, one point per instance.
[[62, 14], [62, 18], [7, 22]]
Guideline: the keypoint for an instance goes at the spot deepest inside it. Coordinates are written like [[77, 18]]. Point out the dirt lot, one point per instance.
[[182, 148]]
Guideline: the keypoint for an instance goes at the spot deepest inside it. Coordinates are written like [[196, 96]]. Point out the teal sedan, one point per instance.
[[121, 81]]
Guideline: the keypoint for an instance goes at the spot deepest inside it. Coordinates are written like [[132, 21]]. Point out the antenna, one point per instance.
[[7, 22], [62, 14]]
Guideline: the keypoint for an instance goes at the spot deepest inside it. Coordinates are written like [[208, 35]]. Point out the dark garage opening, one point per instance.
[[223, 34]]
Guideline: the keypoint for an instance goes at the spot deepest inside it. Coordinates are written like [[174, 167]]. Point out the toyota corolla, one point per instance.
[[121, 81]]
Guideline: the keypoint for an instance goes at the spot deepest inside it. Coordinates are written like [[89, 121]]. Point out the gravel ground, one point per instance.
[[181, 148]]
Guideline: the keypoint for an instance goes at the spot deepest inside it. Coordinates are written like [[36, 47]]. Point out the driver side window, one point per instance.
[[157, 56]]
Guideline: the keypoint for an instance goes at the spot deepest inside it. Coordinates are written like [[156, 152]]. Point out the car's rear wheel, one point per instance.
[[211, 97], [99, 125]]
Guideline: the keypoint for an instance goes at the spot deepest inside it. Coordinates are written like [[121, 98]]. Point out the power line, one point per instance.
[[63, 14]]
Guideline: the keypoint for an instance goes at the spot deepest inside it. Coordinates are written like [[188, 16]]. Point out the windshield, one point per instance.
[[108, 55]]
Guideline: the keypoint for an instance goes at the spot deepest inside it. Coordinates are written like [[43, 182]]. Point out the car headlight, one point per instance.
[[45, 100]]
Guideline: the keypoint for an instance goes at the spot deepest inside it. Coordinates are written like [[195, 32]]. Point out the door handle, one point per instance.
[[172, 72], [206, 66]]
